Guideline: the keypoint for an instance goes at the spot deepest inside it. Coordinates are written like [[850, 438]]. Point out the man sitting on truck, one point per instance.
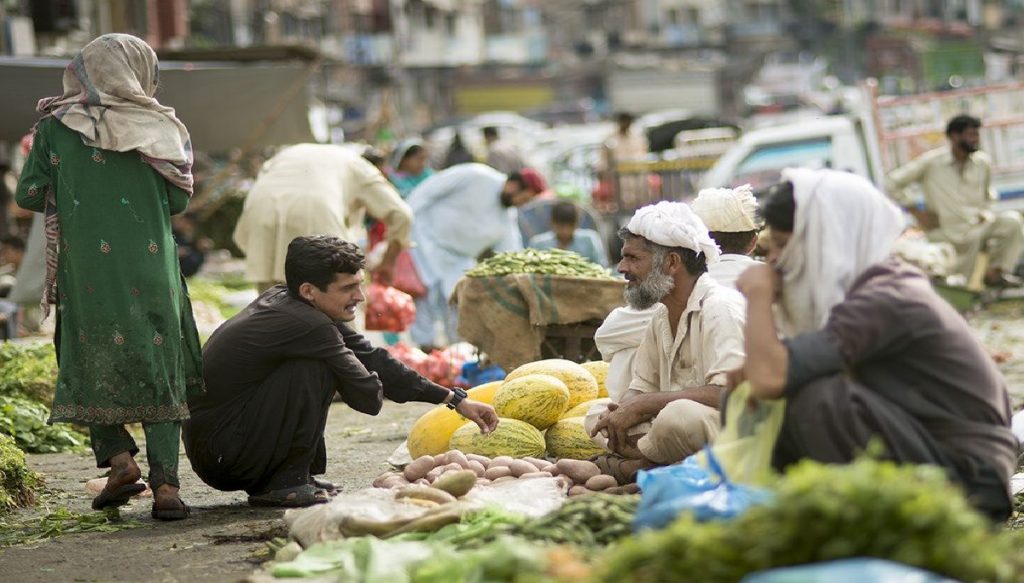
[[730, 214], [958, 196], [670, 408]]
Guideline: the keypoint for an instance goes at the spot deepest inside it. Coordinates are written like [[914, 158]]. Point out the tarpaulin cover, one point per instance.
[[220, 103]]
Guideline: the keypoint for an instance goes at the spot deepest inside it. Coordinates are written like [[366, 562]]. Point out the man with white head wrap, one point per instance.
[[870, 352], [695, 336], [730, 215]]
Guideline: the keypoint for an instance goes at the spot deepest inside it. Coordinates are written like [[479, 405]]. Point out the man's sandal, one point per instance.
[[294, 497]]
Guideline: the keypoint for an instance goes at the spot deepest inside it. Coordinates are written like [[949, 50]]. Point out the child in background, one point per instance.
[[565, 234]]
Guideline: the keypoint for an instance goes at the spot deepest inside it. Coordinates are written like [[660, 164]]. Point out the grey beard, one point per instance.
[[649, 291]]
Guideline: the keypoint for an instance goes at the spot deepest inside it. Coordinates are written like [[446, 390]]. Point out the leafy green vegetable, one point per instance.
[[17, 482], [364, 559], [506, 559], [63, 521], [28, 370], [212, 294], [371, 560], [25, 420], [548, 262], [907, 514]]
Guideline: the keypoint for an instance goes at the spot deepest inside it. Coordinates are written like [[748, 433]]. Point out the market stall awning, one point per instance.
[[220, 102]]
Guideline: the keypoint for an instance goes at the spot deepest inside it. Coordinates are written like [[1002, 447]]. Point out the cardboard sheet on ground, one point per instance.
[[503, 315], [532, 497]]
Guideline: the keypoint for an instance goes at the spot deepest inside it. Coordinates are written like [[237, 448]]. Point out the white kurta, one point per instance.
[[459, 215], [314, 189], [729, 267], [707, 344], [617, 339]]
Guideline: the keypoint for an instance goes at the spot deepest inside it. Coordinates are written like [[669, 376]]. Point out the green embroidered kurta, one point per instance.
[[127, 345]]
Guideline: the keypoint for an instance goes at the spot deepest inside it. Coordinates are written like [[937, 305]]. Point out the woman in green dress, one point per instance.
[[108, 167]]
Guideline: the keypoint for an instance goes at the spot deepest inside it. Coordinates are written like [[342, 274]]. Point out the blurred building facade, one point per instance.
[[413, 63]]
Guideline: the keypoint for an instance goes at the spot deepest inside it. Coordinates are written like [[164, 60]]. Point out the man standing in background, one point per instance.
[[501, 156]]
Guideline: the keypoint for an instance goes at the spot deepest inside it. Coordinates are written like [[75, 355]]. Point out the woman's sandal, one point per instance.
[[294, 497], [118, 496], [180, 511]]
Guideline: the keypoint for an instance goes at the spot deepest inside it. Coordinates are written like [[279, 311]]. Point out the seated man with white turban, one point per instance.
[[695, 336], [870, 352], [730, 215]]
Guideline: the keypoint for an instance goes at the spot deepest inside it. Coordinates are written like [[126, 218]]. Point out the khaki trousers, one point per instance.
[[680, 430], [1002, 239]]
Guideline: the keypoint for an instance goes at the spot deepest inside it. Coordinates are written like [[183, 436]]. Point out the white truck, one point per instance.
[[891, 132]]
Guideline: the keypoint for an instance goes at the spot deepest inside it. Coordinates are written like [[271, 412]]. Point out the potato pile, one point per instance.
[[577, 476]]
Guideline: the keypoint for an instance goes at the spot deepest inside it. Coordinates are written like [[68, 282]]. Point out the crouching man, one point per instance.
[[272, 371], [694, 338], [869, 352]]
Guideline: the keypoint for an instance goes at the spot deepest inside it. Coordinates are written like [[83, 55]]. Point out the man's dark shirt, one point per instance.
[[277, 327]]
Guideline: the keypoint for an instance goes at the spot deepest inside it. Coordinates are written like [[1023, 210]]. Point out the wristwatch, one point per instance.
[[457, 396]]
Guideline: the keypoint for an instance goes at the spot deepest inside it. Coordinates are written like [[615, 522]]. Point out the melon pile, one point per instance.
[[541, 406]]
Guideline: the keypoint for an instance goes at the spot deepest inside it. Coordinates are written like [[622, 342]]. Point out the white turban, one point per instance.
[[727, 210], [674, 224]]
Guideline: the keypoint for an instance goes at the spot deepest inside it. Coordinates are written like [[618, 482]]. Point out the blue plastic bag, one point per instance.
[[473, 376], [848, 571], [689, 487]]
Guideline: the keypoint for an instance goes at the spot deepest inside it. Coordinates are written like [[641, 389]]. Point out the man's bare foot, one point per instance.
[[630, 451], [629, 468], [123, 471]]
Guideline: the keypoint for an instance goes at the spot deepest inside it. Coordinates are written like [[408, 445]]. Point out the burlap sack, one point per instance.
[[504, 316]]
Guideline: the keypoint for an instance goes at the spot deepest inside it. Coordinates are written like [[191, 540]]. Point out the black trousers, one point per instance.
[[269, 438], [833, 419]]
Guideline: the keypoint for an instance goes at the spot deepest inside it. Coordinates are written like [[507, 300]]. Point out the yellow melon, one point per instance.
[[581, 384], [538, 399], [432, 431], [582, 409], [599, 369], [512, 438], [485, 392], [569, 439]]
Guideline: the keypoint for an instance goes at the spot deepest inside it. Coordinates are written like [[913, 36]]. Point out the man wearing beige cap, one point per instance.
[[731, 217]]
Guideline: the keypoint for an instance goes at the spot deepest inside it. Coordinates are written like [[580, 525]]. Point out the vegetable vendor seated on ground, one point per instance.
[[695, 337], [272, 371], [870, 353], [566, 234], [621, 332], [730, 215]]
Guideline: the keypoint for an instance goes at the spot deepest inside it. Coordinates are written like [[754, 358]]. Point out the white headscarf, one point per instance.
[[674, 224], [843, 225], [727, 210]]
